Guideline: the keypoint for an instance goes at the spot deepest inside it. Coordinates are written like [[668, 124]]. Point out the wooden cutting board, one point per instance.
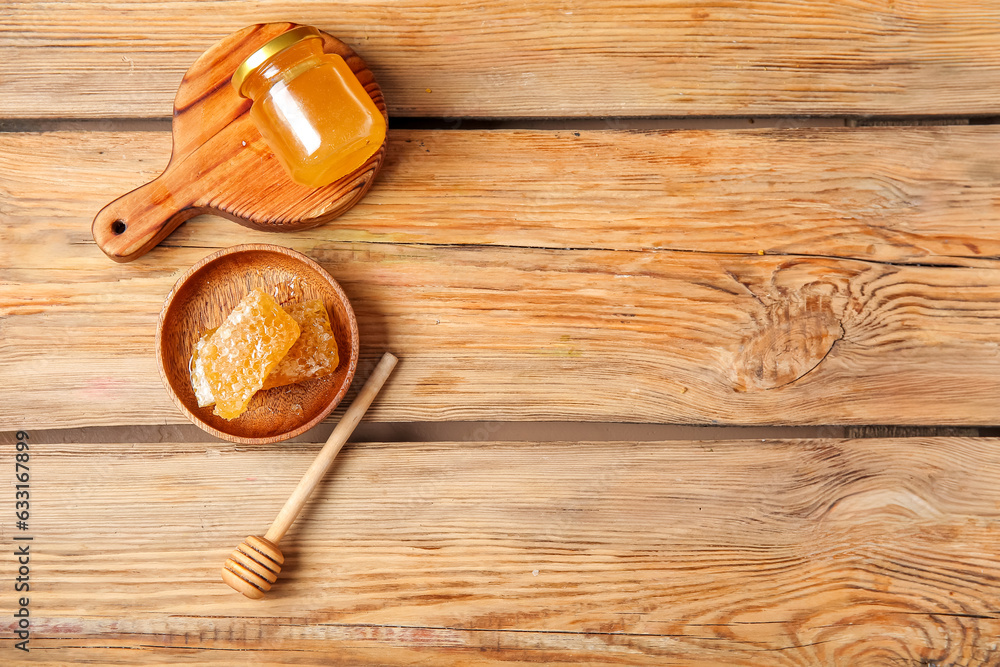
[[220, 163]]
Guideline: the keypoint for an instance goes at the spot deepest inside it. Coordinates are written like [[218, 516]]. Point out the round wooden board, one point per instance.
[[205, 295], [220, 163]]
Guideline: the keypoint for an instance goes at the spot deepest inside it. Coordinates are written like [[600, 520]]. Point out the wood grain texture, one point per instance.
[[538, 58], [525, 299], [521, 334], [899, 195], [854, 553]]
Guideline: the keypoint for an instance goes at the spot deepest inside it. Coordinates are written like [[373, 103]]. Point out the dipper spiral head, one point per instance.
[[253, 567]]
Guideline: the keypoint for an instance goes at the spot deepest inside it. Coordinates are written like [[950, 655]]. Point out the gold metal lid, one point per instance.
[[274, 46]]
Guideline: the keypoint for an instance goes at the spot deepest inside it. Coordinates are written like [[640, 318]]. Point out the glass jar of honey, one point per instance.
[[310, 108]]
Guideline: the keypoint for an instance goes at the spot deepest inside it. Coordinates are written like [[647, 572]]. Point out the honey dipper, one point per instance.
[[254, 566]]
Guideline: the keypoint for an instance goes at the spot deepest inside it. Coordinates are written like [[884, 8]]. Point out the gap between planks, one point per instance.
[[482, 431], [162, 124]]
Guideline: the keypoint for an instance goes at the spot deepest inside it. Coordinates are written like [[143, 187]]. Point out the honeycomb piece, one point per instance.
[[244, 350], [314, 354], [199, 382]]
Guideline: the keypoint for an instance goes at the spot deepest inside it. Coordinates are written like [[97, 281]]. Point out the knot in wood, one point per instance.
[[791, 336]]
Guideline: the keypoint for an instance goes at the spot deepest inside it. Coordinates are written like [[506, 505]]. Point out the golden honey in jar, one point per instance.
[[310, 107]]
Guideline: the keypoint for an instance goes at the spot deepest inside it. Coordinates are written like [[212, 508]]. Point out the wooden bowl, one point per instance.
[[202, 299]]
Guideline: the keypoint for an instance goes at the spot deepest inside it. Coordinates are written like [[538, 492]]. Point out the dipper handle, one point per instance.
[[325, 458], [254, 566]]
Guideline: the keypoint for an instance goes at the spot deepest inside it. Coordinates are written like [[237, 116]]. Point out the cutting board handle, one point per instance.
[[137, 221]]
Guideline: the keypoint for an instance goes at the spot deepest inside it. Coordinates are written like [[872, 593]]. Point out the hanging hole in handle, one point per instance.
[[119, 227]]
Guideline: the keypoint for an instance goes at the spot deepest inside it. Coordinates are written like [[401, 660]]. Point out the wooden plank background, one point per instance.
[[534, 59], [757, 277], [832, 552], [577, 274]]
